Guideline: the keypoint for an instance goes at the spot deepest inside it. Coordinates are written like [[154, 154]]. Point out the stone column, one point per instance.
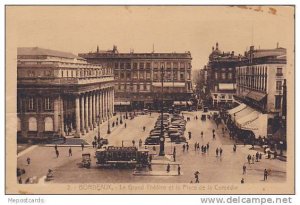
[[94, 109], [98, 105], [56, 114], [82, 116], [101, 105], [113, 100], [77, 116], [106, 105], [62, 126], [90, 111], [86, 112]]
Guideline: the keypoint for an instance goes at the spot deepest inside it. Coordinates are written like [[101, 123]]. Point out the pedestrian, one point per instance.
[[253, 159], [174, 157], [242, 181], [187, 146], [201, 134], [82, 146], [195, 145], [174, 150], [178, 169], [168, 168], [95, 138], [198, 146], [234, 148], [55, 146], [249, 158], [28, 161], [140, 142], [190, 135], [150, 158], [257, 156], [221, 151], [217, 151], [183, 147], [144, 128], [265, 175], [125, 125], [149, 167], [213, 131], [70, 152], [133, 143], [57, 153], [202, 148], [207, 146], [260, 156], [197, 176], [20, 181], [214, 136], [244, 169]]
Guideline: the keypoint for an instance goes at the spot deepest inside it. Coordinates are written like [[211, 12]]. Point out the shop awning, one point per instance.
[[182, 103], [258, 96], [246, 111], [169, 84], [237, 109], [258, 126], [122, 103], [226, 86], [247, 119]]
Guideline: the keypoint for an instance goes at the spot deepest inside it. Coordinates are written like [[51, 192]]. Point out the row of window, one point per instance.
[[223, 76], [30, 104], [156, 76], [65, 73], [149, 65], [257, 82]]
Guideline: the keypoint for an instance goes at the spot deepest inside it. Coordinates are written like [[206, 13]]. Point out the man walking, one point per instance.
[[82, 146], [28, 161], [178, 169], [221, 151], [265, 175], [168, 168], [57, 153], [217, 152], [244, 169], [70, 152]]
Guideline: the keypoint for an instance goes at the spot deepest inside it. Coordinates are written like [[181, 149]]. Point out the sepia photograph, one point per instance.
[[150, 99]]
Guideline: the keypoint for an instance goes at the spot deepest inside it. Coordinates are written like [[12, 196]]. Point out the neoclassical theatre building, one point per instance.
[[60, 94]]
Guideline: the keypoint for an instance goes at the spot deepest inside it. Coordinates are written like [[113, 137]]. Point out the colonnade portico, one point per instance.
[[91, 109]]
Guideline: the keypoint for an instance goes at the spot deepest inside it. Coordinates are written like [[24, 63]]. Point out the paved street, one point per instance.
[[225, 169]]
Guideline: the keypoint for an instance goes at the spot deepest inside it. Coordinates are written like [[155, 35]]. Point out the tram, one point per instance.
[[128, 157]]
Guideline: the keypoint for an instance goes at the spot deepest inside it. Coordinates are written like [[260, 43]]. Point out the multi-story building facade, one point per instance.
[[221, 77], [261, 87], [59, 93], [138, 76]]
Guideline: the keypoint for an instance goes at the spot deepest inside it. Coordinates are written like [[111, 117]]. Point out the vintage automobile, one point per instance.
[[86, 160], [152, 140], [128, 157]]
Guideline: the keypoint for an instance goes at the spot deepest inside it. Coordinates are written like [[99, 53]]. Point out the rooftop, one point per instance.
[[37, 51]]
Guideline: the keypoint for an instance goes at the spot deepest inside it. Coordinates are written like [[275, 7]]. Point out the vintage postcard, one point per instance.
[[150, 99]]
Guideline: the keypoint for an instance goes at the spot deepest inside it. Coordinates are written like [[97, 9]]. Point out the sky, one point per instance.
[[80, 29]]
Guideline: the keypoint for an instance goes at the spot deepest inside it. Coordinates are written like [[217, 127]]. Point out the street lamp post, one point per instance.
[[108, 125], [162, 138]]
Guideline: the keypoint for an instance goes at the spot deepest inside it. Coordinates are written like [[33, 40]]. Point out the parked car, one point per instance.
[[152, 140]]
